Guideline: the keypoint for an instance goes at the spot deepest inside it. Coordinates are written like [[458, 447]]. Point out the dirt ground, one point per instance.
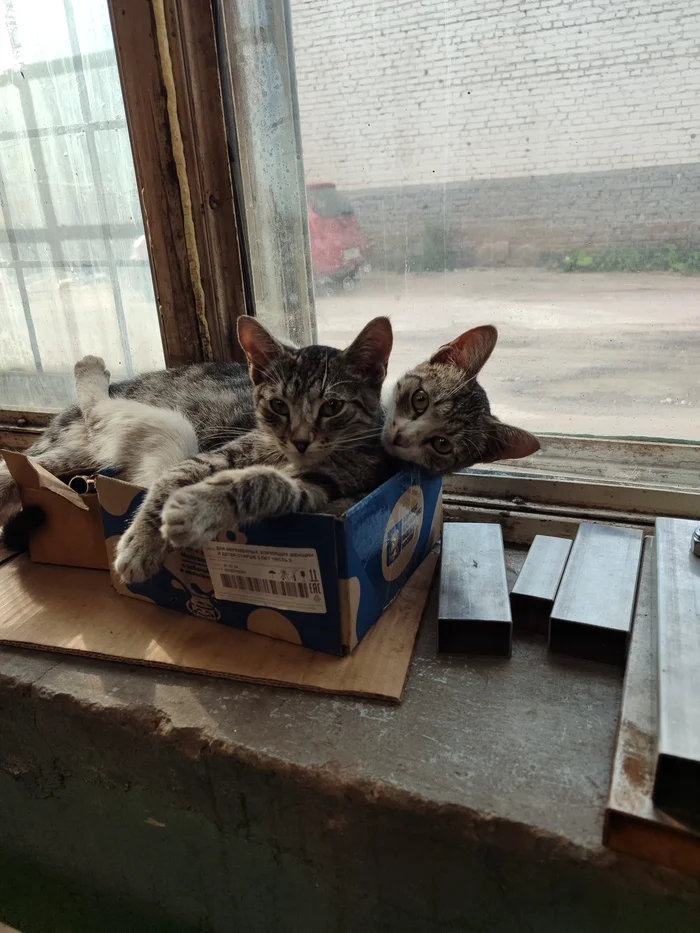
[[609, 354]]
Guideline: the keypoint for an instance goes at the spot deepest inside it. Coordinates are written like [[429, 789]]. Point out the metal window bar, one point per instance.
[[86, 113], [53, 233], [262, 116]]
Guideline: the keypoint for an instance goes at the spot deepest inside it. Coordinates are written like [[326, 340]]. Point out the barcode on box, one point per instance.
[[260, 585], [281, 578]]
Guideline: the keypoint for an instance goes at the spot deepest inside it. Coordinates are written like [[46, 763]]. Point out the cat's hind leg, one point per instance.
[[91, 382], [65, 444], [141, 441]]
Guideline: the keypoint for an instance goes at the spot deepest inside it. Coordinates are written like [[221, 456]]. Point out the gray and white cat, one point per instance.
[[439, 417], [141, 440], [143, 426], [317, 440], [214, 398]]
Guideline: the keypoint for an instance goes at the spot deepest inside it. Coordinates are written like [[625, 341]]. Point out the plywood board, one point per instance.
[[633, 825], [77, 612]]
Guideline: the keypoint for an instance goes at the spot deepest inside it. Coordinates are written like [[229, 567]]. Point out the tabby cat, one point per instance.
[[145, 425], [439, 417], [319, 420]]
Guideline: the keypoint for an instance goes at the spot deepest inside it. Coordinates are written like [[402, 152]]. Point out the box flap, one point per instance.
[[28, 474], [116, 495]]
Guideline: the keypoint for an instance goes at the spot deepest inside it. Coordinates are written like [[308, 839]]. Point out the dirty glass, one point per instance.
[[262, 116], [531, 164], [74, 272], [327, 201]]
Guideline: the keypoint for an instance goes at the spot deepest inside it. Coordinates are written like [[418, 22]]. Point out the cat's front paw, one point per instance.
[[139, 556], [192, 516]]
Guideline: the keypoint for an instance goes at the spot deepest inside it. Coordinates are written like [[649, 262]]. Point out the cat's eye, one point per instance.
[[420, 400], [279, 406], [332, 406], [441, 445]]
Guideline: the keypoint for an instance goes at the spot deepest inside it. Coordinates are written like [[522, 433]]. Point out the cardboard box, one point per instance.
[[314, 580], [72, 533]]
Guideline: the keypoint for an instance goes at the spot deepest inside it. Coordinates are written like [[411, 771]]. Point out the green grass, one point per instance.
[[668, 257]]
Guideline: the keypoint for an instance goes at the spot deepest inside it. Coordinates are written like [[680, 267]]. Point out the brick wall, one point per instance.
[[520, 220], [577, 121]]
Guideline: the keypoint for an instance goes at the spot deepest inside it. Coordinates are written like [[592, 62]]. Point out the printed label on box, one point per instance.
[[402, 533], [278, 577]]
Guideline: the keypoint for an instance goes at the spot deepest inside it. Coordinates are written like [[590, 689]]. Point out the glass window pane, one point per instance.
[[531, 165], [74, 273], [262, 116]]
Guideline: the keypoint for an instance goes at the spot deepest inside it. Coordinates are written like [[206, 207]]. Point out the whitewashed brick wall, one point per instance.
[[420, 92]]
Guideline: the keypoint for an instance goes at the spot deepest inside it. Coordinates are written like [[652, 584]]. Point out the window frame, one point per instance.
[[646, 462], [168, 64], [573, 479], [170, 69]]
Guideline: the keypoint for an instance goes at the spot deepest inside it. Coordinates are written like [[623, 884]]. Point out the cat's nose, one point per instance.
[[400, 440], [301, 446]]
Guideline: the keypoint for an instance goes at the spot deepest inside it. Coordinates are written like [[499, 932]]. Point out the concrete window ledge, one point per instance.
[[138, 800]]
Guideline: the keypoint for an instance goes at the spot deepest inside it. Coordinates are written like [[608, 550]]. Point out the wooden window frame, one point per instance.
[[168, 65]]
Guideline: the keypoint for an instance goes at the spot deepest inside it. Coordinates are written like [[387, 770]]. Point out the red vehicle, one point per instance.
[[338, 245]]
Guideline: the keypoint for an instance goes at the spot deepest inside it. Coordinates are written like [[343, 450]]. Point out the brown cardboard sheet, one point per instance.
[[78, 612]]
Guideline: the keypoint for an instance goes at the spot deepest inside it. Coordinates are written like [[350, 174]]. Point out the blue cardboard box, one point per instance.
[[314, 580]]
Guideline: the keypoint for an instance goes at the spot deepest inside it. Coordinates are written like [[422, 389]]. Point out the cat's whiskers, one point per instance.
[[334, 385], [355, 438], [224, 432], [457, 388], [273, 372], [472, 445], [360, 434], [346, 446], [325, 376]]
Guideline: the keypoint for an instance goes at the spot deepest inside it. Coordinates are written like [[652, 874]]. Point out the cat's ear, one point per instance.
[[372, 347], [261, 348], [470, 350], [506, 442]]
